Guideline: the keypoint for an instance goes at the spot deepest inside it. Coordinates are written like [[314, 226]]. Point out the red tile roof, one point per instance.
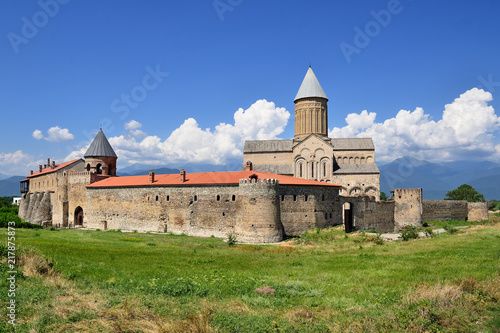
[[49, 169], [204, 178]]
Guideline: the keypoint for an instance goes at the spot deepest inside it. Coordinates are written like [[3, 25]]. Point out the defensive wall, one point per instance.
[[256, 211], [443, 210], [368, 214]]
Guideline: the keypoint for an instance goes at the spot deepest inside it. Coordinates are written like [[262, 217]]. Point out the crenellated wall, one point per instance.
[[369, 214], [305, 207]]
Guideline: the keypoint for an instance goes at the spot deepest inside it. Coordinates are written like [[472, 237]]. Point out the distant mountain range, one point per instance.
[[438, 178], [407, 172], [10, 186]]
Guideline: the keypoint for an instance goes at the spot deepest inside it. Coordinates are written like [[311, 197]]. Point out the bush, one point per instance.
[[379, 240], [429, 232], [449, 229], [231, 239], [409, 232]]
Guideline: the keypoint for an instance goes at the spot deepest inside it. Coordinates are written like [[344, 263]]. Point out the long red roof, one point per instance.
[[49, 169], [204, 178]]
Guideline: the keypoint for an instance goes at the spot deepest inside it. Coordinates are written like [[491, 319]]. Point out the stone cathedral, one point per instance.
[[311, 154]]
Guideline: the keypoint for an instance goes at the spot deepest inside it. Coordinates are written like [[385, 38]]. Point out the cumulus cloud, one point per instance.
[[189, 143], [54, 134], [466, 128], [17, 163]]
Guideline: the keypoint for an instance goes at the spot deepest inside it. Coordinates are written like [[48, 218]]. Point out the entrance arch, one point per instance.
[[348, 220], [78, 216]]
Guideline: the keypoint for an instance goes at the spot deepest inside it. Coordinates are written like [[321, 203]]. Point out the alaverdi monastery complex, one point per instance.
[[284, 188]]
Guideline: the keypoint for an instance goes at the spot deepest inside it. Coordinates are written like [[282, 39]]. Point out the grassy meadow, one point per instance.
[[324, 281]]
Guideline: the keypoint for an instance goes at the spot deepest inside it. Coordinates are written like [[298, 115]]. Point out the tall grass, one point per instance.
[[78, 280]]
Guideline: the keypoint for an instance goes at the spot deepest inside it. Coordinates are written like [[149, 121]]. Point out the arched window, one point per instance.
[[306, 197], [300, 170], [156, 198], [168, 197], [218, 197], [312, 170], [88, 167], [233, 198], [99, 168], [195, 198]]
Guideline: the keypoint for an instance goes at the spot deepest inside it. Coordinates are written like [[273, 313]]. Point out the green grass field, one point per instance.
[[325, 281]]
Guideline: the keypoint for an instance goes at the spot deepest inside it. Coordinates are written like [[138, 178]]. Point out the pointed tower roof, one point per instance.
[[310, 87], [100, 147]]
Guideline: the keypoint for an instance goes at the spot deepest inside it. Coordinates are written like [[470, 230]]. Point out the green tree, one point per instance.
[[464, 192], [383, 196]]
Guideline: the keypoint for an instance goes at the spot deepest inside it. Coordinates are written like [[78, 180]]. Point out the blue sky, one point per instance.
[[175, 82]]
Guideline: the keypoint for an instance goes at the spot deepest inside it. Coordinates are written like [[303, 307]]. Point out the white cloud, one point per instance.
[[55, 134], [18, 163], [133, 125], [192, 144], [37, 134], [466, 129]]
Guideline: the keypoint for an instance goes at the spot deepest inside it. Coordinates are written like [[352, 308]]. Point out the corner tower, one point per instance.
[[311, 108], [100, 158]]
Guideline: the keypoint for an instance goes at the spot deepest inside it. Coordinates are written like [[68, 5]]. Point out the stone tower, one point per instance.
[[100, 158], [311, 108], [259, 219]]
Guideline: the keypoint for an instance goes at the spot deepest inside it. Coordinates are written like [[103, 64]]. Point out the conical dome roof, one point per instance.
[[310, 87], [100, 147]]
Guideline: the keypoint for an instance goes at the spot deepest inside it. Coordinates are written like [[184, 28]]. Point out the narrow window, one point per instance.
[[306, 197], [156, 198], [300, 170], [323, 197], [233, 198], [195, 198], [326, 215], [282, 198], [218, 197], [312, 170], [168, 197], [324, 169], [294, 198]]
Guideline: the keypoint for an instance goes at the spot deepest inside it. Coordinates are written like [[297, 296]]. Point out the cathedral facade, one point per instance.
[[311, 154]]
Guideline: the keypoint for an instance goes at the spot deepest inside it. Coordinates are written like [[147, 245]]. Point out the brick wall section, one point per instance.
[[193, 210], [478, 211], [321, 209], [256, 215], [443, 210], [408, 208], [369, 214]]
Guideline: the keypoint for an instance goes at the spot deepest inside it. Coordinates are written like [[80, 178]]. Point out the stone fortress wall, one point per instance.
[[256, 211]]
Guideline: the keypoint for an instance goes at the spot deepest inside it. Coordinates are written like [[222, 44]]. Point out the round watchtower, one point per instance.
[[259, 219], [100, 158]]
